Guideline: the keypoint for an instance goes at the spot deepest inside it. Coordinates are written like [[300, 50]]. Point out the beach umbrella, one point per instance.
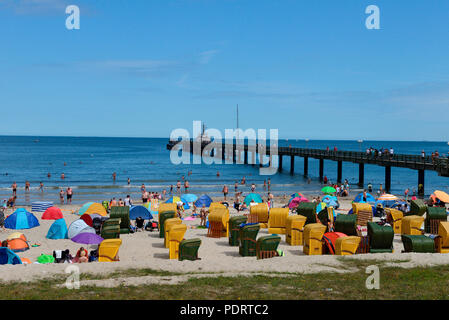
[[369, 198], [139, 211], [8, 256], [387, 196], [252, 196], [320, 207], [52, 213], [443, 196], [189, 197], [84, 208], [295, 201], [58, 230], [297, 194], [87, 238], [328, 190], [77, 227], [178, 200]]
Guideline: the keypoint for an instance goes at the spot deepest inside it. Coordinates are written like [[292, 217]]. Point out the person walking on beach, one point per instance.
[[128, 201], [69, 194], [203, 215], [186, 186], [61, 196], [164, 192], [178, 187], [14, 189], [41, 186], [225, 191], [27, 186]]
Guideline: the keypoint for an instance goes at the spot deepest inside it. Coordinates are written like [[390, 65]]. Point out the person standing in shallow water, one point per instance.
[[69, 194]]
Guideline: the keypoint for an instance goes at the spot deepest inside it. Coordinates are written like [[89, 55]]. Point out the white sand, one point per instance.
[[146, 250]]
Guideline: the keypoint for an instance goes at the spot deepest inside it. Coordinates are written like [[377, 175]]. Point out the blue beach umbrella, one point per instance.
[[359, 198], [189, 197], [204, 199], [252, 196]]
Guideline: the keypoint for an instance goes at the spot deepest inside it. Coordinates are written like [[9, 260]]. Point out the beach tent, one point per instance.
[[387, 196], [189, 197], [21, 219], [16, 235], [331, 201], [84, 208], [204, 199], [92, 207], [52, 213], [41, 206], [297, 194], [178, 200], [369, 198], [7, 256], [252, 196], [139, 211], [77, 227], [88, 218], [328, 190], [58, 230], [18, 244]]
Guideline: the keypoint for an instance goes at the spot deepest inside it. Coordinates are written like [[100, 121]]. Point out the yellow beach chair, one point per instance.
[[218, 223], [216, 205], [442, 240], [167, 226], [277, 220], [294, 228], [108, 250], [347, 245], [167, 207], [394, 217], [259, 214], [313, 234], [175, 236], [411, 225]]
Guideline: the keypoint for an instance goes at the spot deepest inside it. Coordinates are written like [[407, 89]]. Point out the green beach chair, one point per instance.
[[112, 222], [418, 243], [110, 232], [433, 217], [308, 210], [347, 224], [188, 249], [162, 217], [234, 226], [417, 208], [248, 235], [380, 238], [123, 214], [266, 246]]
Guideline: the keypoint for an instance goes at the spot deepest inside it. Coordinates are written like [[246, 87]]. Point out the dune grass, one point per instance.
[[395, 283]]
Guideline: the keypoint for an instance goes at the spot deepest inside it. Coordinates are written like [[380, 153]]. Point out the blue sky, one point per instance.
[[145, 67]]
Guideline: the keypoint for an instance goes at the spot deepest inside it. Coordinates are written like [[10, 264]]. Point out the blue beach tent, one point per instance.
[[58, 230], [369, 198], [139, 211], [7, 256], [204, 199], [21, 219]]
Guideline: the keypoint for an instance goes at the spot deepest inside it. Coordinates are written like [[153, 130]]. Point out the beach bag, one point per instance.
[[151, 226]]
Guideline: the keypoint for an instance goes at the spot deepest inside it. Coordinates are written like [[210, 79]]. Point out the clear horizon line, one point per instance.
[[141, 137]]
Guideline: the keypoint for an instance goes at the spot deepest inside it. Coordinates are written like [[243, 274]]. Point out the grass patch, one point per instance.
[[395, 283]]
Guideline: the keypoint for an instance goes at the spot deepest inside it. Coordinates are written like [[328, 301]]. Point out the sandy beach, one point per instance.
[[146, 250]]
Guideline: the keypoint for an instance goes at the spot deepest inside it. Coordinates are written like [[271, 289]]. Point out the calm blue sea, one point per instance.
[[88, 164]]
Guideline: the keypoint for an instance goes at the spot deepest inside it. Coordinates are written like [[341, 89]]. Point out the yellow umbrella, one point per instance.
[[96, 208], [387, 197], [443, 196]]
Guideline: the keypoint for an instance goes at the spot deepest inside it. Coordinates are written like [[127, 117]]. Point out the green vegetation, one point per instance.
[[395, 283]]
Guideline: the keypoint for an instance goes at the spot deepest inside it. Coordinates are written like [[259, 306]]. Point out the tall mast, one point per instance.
[[237, 123]]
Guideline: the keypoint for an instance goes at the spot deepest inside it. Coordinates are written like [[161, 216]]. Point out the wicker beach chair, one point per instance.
[[248, 235], [123, 214], [346, 245], [218, 223], [175, 236], [259, 214], [277, 220], [188, 249], [417, 207], [313, 234], [418, 243], [347, 224], [294, 228], [168, 224], [380, 238], [411, 225], [394, 217], [266, 247], [162, 217], [108, 250], [234, 229], [308, 210], [433, 217], [442, 240]]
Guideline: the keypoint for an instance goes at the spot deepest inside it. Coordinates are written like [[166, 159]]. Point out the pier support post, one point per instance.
[[245, 156], [421, 183], [339, 171], [234, 152], [387, 179], [280, 163], [292, 164], [361, 174], [223, 151], [321, 169], [306, 166]]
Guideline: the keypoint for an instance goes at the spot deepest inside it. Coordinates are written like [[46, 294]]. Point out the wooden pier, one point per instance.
[[233, 152]]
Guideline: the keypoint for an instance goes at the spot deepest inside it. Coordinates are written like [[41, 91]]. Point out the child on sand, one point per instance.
[[203, 215]]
